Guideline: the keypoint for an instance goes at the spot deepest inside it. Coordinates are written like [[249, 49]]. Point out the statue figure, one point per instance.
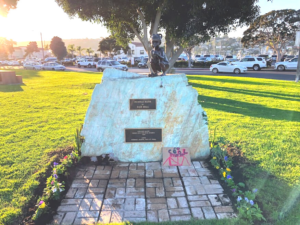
[[159, 61]]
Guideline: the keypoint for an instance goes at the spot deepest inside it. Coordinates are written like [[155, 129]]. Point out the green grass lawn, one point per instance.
[[260, 116]]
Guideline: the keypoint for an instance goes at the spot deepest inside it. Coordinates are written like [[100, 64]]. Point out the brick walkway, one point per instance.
[[143, 192]]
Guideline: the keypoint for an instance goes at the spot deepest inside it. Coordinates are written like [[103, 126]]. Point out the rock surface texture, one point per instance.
[[178, 114]]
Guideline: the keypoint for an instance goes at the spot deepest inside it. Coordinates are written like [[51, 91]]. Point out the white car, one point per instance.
[[86, 63], [287, 65], [53, 66], [227, 67], [252, 62], [32, 66]]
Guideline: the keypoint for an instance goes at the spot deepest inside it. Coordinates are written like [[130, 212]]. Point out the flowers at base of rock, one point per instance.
[[228, 169], [42, 204], [233, 190], [214, 157], [55, 164], [246, 199], [239, 198], [55, 176], [224, 174], [254, 190], [226, 158], [229, 177], [251, 202], [66, 157], [217, 167], [52, 182]]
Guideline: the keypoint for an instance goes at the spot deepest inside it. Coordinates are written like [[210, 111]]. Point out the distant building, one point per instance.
[[19, 53], [137, 49]]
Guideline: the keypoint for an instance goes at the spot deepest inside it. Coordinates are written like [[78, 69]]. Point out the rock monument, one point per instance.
[[133, 117], [10, 77]]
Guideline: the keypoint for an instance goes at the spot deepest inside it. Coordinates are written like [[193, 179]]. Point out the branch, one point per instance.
[[145, 43], [143, 24]]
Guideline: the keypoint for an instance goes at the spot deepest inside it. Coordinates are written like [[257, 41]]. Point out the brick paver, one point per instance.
[[143, 192]]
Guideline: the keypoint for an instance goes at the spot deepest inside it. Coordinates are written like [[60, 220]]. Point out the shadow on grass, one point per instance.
[[233, 81], [11, 88], [249, 92], [248, 109]]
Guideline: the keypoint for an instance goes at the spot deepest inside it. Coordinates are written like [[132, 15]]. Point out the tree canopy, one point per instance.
[[6, 5], [109, 46], [31, 48], [274, 29], [6, 47], [178, 20], [58, 48]]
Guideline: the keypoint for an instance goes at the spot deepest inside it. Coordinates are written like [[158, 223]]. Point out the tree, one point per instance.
[[79, 50], [6, 5], [31, 48], [71, 49], [109, 45], [191, 44], [179, 20], [274, 29], [58, 48], [6, 47], [89, 51]]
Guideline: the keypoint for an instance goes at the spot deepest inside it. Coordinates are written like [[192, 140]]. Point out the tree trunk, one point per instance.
[[189, 52], [174, 58]]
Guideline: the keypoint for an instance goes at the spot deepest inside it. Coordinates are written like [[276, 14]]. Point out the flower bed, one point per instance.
[[244, 199], [55, 185]]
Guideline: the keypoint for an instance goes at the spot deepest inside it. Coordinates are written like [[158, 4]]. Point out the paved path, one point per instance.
[[143, 192]]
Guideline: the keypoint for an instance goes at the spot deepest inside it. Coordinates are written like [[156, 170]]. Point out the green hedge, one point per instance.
[[129, 64], [181, 64], [203, 64]]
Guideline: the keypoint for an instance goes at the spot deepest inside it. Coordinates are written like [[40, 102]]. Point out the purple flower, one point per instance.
[[233, 190], [55, 164], [55, 176], [226, 158], [41, 202], [251, 202], [246, 199], [239, 198], [254, 190], [229, 177]]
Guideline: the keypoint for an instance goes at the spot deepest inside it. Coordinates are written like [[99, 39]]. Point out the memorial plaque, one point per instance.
[[142, 104], [143, 135]]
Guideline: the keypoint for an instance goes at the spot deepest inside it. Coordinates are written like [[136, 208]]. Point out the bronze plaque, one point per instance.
[[143, 135], [142, 104]]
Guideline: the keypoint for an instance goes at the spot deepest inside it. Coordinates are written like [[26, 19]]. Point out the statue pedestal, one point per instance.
[[9, 77], [133, 117]]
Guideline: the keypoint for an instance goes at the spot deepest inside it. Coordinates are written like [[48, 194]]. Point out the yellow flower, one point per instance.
[[217, 167], [228, 169], [214, 157], [224, 174], [43, 205]]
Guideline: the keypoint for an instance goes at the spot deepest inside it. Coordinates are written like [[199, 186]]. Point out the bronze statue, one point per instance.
[[159, 61]]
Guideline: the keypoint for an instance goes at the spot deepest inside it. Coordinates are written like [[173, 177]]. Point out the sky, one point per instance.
[[33, 17]]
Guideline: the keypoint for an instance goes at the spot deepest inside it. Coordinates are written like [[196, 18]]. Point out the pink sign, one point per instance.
[[176, 157]]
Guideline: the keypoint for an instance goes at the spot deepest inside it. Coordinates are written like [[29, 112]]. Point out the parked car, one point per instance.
[[283, 58], [274, 57], [124, 60], [86, 63], [50, 59], [289, 57], [267, 59], [254, 62], [137, 59], [13, 63], [182, 58], [203, 59], [219, 57], [32, 66], [228, 67], [102, 65], [53, 66], [197, 57], [212, 57], [143, 63], [230, 58], [287, 65]]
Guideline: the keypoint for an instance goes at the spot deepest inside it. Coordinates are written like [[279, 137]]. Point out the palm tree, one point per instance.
[[10, 48], [79, 50], [89, 51], [72, 49]]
